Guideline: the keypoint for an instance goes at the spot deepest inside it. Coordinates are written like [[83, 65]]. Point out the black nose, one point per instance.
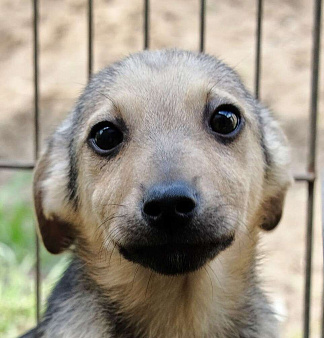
[[170, 204]]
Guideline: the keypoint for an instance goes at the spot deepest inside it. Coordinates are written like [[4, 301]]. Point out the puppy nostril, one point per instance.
[[152, 209], [185, 206]]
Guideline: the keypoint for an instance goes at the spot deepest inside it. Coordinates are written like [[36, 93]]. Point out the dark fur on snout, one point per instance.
[[177, 251], [161, 204]]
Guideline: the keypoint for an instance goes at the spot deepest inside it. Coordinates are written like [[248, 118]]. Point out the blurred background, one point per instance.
[[118, 31]]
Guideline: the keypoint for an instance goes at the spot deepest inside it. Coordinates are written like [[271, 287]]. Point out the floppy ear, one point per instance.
[[54, 209], [277, 174]]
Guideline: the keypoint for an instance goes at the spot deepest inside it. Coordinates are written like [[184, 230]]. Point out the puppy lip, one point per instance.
[[178, 246], [175, 258]]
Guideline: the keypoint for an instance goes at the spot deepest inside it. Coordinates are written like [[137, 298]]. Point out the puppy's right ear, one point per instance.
[[54, 208]]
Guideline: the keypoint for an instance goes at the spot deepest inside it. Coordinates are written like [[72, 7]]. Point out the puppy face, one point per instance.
[[167, 158]]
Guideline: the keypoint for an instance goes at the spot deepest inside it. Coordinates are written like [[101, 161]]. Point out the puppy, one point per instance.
[[159, 182]]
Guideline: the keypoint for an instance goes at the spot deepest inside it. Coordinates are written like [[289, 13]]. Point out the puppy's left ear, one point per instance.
[[277, 177]]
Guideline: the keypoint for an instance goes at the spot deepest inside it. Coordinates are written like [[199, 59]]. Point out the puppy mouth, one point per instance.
[[175, 259]]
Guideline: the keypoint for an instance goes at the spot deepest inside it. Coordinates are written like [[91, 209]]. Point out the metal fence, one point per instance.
[[308, 177]]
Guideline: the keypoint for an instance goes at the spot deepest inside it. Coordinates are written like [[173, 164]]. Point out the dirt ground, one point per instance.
[[230, 30]]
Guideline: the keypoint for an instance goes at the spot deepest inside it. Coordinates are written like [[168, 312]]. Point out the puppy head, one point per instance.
[[166, 157]]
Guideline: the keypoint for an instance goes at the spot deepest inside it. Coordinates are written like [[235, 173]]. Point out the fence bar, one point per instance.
[[36, 143], [307, 177], [312, 161], [322, 176], [202, 25], [308, 267], [257, 75], [16, 166], [146, 24], [90, 38]]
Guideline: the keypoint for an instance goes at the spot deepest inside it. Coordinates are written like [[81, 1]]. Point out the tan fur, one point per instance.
[[161, 97]]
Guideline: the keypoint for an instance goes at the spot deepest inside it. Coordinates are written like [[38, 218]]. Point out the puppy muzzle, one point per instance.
[[181, 242]]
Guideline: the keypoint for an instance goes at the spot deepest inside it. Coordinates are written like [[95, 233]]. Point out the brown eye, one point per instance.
[[104, 137], [225, 120]]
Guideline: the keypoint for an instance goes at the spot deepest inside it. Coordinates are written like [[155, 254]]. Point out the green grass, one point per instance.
[[17, 258]]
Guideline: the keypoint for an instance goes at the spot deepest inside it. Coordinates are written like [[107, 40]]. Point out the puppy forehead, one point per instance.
[[162, 95], [159, 83], [151, 76]]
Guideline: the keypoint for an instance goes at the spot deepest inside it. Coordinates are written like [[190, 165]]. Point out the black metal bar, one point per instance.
[[257, 75], [146, 24], [202, 25], [36, 143], [312, 162], [322, 254], [308, 177], [308, 267], [16, 166], [315, 84], [90, 38]]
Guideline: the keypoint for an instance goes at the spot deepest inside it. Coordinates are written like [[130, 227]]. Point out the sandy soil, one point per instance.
[[230, 35]]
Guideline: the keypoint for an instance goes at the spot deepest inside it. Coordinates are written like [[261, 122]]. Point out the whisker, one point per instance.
[[107, 97], [133, 281], [112, 251], [148, 283], [110, 219], [211, 282]]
